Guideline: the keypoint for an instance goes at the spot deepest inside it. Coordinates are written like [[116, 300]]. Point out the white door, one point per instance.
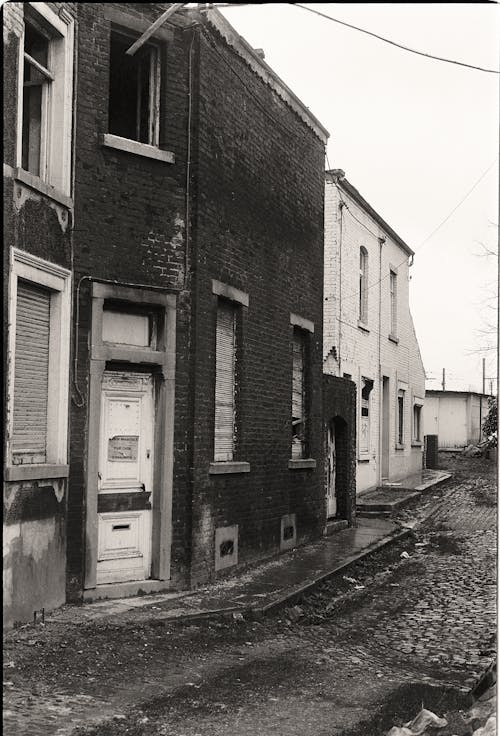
[[331, 472], [125, 477]]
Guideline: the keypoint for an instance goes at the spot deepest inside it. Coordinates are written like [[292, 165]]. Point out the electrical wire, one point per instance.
[[394, 43], [426, 240]]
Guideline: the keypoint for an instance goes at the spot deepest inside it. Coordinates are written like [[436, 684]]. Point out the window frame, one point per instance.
[[400, 418], [58, 281], [364, 453], [393, 304], [155, 75], [230, 295], [363, 285], [417, 436], [305, 328], [57, 101]]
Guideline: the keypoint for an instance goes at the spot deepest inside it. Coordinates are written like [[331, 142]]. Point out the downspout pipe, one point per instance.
[[381, 241]]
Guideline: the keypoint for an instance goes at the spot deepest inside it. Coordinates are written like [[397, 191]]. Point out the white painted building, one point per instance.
[[455, 416], [369, 334]]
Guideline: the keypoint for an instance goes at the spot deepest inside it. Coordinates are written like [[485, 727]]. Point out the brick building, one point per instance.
[[369, 335], [164, 226]]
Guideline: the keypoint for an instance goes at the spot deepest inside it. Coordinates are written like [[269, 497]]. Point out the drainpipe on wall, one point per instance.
[[380, 387], [341, 206]]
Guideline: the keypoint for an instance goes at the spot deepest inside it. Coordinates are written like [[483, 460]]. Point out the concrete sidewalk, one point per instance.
[[251, 594], [390, 497]]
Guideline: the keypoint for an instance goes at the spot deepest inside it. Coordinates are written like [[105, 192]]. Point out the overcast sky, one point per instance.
[[413, 136]]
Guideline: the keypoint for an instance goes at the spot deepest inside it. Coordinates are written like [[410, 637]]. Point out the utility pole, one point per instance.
[[481, 402], [443, 382]]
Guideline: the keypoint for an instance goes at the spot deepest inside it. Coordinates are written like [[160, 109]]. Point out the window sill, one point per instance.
[[363, 459], [140, 149], [228, 467], [301, 463], [393, 339], [363, 326], [399, 447], [34, 182], [35, 472], [416, 443]]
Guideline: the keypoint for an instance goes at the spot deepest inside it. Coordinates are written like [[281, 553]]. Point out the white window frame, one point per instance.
[[417, 439], [363, 285], [364, 452], [57, 279], [400, 440], [57, 101], [393, 298]]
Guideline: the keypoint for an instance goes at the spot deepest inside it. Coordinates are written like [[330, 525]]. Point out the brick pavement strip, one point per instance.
[[431, 619]]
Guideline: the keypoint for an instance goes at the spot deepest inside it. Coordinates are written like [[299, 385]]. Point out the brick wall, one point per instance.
[[130, 227], [353, 349], [259, 228]]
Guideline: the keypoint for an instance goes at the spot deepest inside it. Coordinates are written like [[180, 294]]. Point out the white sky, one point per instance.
[[413, 135]]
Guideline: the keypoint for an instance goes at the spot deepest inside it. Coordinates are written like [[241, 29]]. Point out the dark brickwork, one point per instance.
[[255, 223], [339, 406], [259, 228]]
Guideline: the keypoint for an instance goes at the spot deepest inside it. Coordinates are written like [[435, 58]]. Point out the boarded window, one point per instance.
[[394, 302], [134, 90], [31, 374], [225, 380], [401, 417], [298, 394], [363, 285], [364, 434]]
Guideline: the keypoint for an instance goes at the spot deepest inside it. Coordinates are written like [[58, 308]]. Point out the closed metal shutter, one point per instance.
[[298, 387], [225, 382], [31, 374]]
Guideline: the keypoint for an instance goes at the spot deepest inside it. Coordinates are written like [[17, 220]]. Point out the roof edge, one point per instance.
[[259, 66], [338, 176]]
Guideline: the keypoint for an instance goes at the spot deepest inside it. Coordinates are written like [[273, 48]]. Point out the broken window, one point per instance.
[[299, 394], [225, 382], [134, 90], [47, 79], [364, 434], [363, 285], [401, 416], [36, 86]]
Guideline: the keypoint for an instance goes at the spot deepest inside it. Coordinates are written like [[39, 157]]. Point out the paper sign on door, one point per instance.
[[123, 448]]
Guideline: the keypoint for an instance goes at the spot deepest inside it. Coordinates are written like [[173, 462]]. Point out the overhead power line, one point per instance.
[[394, 43], [425, 241]]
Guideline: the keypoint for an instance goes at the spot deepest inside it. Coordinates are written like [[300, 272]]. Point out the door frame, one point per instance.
[[162, 363], [386, 428]]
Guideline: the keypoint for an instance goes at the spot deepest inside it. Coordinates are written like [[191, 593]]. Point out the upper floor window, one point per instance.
[[46, 69], [363, 285], [134, 90], [393, 290]]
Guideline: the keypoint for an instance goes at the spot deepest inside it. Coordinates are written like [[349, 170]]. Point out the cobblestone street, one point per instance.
[[416, 620]]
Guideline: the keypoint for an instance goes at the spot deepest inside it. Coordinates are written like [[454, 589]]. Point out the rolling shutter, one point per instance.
[[31, 375], [297, 395], [225, 383]]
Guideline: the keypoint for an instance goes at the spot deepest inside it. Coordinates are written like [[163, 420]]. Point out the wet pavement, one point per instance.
[[421, 610]]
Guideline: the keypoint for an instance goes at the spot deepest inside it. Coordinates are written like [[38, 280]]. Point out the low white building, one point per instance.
[[455, 417], [369, 335]]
